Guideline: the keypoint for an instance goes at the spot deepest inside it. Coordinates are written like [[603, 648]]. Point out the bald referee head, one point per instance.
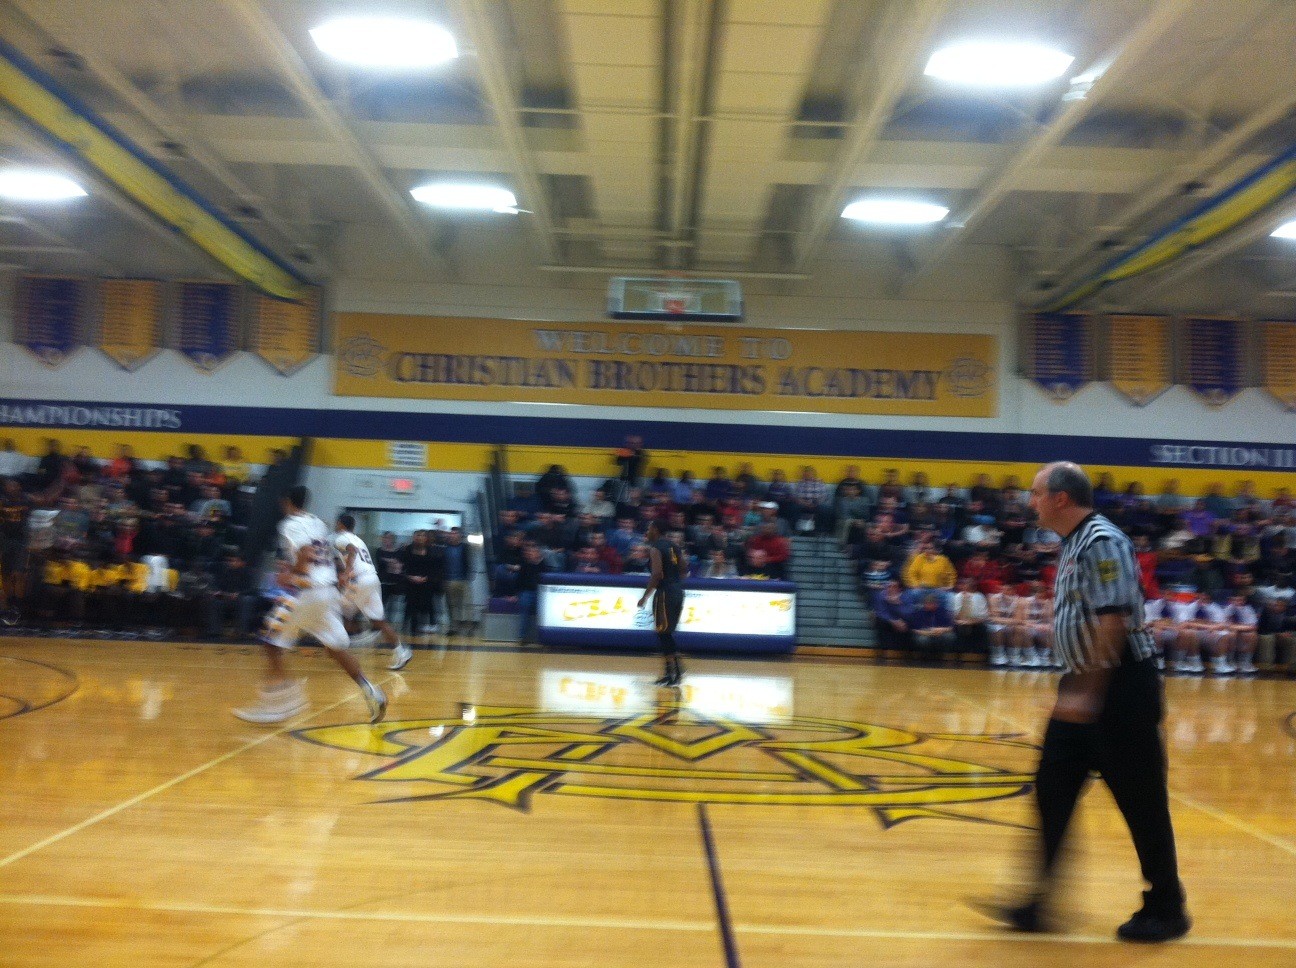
[[1062, 496]]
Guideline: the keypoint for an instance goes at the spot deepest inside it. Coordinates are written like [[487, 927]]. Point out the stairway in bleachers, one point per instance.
[[829, 609]]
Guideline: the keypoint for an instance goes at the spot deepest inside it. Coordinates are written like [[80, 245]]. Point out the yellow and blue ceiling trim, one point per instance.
[[1258, 191], [92, 143]]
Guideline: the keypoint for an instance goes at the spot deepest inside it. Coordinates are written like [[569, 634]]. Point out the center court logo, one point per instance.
[[507, 755], [361, 355]]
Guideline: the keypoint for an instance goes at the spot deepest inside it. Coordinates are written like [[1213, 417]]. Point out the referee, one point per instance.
[[1108, 712]]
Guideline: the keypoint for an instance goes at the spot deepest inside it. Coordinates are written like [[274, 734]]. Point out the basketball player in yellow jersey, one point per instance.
[[668, 603], [316, 610]]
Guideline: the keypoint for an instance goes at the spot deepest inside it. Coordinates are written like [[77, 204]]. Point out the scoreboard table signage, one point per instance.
[[720, 615]]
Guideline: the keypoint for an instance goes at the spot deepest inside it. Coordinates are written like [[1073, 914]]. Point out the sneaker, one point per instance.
[[275, 704], [998, 657], [1150, 928], [1222, 667], [400, 656], [376, 700], [1015, 659], [1195, 664], [1247, 667], [1026, 918], [365, 639]]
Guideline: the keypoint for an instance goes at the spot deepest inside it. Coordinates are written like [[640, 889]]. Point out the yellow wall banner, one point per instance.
[[1278, 360], [130, 321], [1140, 356], [666, 365], [286, 334]]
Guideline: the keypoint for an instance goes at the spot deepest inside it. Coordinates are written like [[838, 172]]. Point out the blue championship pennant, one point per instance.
[[1213, 357], [1061, 357], [208, 323], [50, 312]]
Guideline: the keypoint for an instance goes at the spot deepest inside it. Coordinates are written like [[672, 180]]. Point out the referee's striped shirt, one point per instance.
[[1097, 573]]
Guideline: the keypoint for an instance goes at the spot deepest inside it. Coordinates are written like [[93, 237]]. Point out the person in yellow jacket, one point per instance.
[[930, 569], [66, 580]]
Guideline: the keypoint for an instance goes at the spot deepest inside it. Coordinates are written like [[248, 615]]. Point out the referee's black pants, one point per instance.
[[1126, 748]]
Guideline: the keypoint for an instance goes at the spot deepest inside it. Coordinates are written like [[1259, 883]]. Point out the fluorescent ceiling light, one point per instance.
[[25, 185], [990, 64], [1285, 231], [478, 198], [391, 42], [892, 211]]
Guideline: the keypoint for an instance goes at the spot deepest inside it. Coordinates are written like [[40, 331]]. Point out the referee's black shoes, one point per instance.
[[1150, 927]]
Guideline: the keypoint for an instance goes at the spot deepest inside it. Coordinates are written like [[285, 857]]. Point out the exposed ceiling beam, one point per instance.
[[902, 39], [690, 29], [475, 16], [266, 35], [108, 192], [1073, 263], [1209, 254], [1111, 69], [39, 15]]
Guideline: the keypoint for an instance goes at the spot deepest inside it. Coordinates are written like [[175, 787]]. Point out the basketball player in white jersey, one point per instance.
[[362, 591], [1005, 621], [308, 568], [1037, 628]]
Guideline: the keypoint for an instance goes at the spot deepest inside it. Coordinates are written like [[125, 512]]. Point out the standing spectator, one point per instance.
[[15, 507], [747, 481], [124, 466], [420, 573], [812, 502], [682, 492], [49, 470], [631, 459], [1276, 643], [458, 578], [13, 462], [528, 584], [718, 486]]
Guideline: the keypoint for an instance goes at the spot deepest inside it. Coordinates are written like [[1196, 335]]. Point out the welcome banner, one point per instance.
[[663, 365], [1140, 357]]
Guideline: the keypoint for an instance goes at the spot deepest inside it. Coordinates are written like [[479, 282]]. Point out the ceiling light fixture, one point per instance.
[[894, 211], [994, 64], [385, 42], [26, 185], [1285, 231], [462, 197]]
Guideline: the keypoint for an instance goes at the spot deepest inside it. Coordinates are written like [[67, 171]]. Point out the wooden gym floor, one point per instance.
[[520, 808]]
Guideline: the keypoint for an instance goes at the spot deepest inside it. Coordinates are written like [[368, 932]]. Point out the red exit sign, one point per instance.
[[403, 485]]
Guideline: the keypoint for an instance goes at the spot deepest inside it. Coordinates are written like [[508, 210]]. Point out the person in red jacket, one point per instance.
[[778, 550]]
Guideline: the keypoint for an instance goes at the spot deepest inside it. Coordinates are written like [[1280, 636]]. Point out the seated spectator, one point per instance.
[[1216, 504], [981, 533], [875, 576], [560, 502], [234, 596], [209, 504], [929, 569], [1147, 563], [601, 508], [852, 510], [637, 561], [988, 575], [718, 486], [1199, 624], [891, 619], [1104, 493], [660, 484], [1156, 619], [605, 554], [65, 582], [682, 492], [891, 487], [971, 614], [507, 568], [932, 627], [748, 482], [586, 562], [719, 566], [812, 503], [1240, 621], [755, 565], [920, 490], [625, 537], [780, 492], [777, 550], [984, 494]]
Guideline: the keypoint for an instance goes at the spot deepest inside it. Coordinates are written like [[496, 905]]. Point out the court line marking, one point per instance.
[[718, 891], [1192, 803], [112, 811], [635, 924]]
